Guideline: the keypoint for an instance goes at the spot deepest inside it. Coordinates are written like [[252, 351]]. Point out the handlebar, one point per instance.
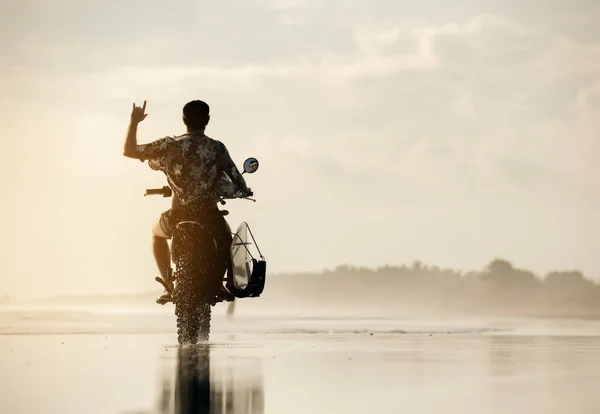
[[165, 191], [225, 187], [243, 197]]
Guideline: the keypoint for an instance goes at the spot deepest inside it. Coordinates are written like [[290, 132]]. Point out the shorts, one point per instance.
[[162, 227]]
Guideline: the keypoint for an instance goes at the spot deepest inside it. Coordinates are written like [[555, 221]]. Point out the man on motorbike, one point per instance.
[[196, 167]]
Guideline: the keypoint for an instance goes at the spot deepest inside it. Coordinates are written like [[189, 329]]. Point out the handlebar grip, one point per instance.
[[165, 191], [153, 191]]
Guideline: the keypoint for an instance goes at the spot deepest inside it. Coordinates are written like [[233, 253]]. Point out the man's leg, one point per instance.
[[225, 267], [162, 256]]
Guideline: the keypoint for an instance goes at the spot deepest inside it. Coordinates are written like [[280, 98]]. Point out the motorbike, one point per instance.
[[198, 281]]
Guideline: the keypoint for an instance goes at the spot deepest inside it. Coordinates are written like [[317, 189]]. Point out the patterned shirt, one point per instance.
[[198, 168]]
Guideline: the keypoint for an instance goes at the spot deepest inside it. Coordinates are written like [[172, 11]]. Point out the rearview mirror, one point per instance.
[[250, 165]]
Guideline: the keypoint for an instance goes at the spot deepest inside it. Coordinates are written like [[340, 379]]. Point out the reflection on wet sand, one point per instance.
[[203, 385]]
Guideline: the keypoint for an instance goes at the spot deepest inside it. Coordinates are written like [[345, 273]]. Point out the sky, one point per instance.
[[387, 131]]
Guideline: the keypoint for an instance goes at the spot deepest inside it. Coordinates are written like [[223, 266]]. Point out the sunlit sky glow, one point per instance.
[[450, 132]]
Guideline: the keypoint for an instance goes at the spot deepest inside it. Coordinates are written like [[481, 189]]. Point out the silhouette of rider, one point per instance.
[[195, 166]]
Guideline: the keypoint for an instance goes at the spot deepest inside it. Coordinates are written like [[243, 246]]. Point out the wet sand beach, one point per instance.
[[129, 363]]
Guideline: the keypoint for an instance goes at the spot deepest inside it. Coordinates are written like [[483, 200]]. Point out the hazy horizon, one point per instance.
[[344, 268], [452, 133]]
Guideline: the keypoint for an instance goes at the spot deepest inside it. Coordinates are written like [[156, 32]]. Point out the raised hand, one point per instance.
[[138, 114]]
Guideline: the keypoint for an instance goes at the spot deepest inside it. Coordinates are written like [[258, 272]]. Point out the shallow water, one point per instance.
[[123, 362]]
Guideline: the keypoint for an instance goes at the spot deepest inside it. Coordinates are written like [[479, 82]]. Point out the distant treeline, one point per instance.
[[499, 288]]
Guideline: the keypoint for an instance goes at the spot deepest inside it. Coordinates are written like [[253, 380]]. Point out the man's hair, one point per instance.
[[196, 114]]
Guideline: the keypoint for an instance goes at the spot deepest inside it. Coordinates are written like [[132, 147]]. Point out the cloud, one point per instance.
[[400, 78], [463, 105], [325, 70], [565, 58], [585, 111], [431, 122]]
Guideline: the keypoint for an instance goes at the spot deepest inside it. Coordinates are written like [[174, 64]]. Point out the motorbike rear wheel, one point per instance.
[[197, 280], [192, 308]]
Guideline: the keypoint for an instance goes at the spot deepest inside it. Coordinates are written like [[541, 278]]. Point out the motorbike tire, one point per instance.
[[192, 309], [193, 323]]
